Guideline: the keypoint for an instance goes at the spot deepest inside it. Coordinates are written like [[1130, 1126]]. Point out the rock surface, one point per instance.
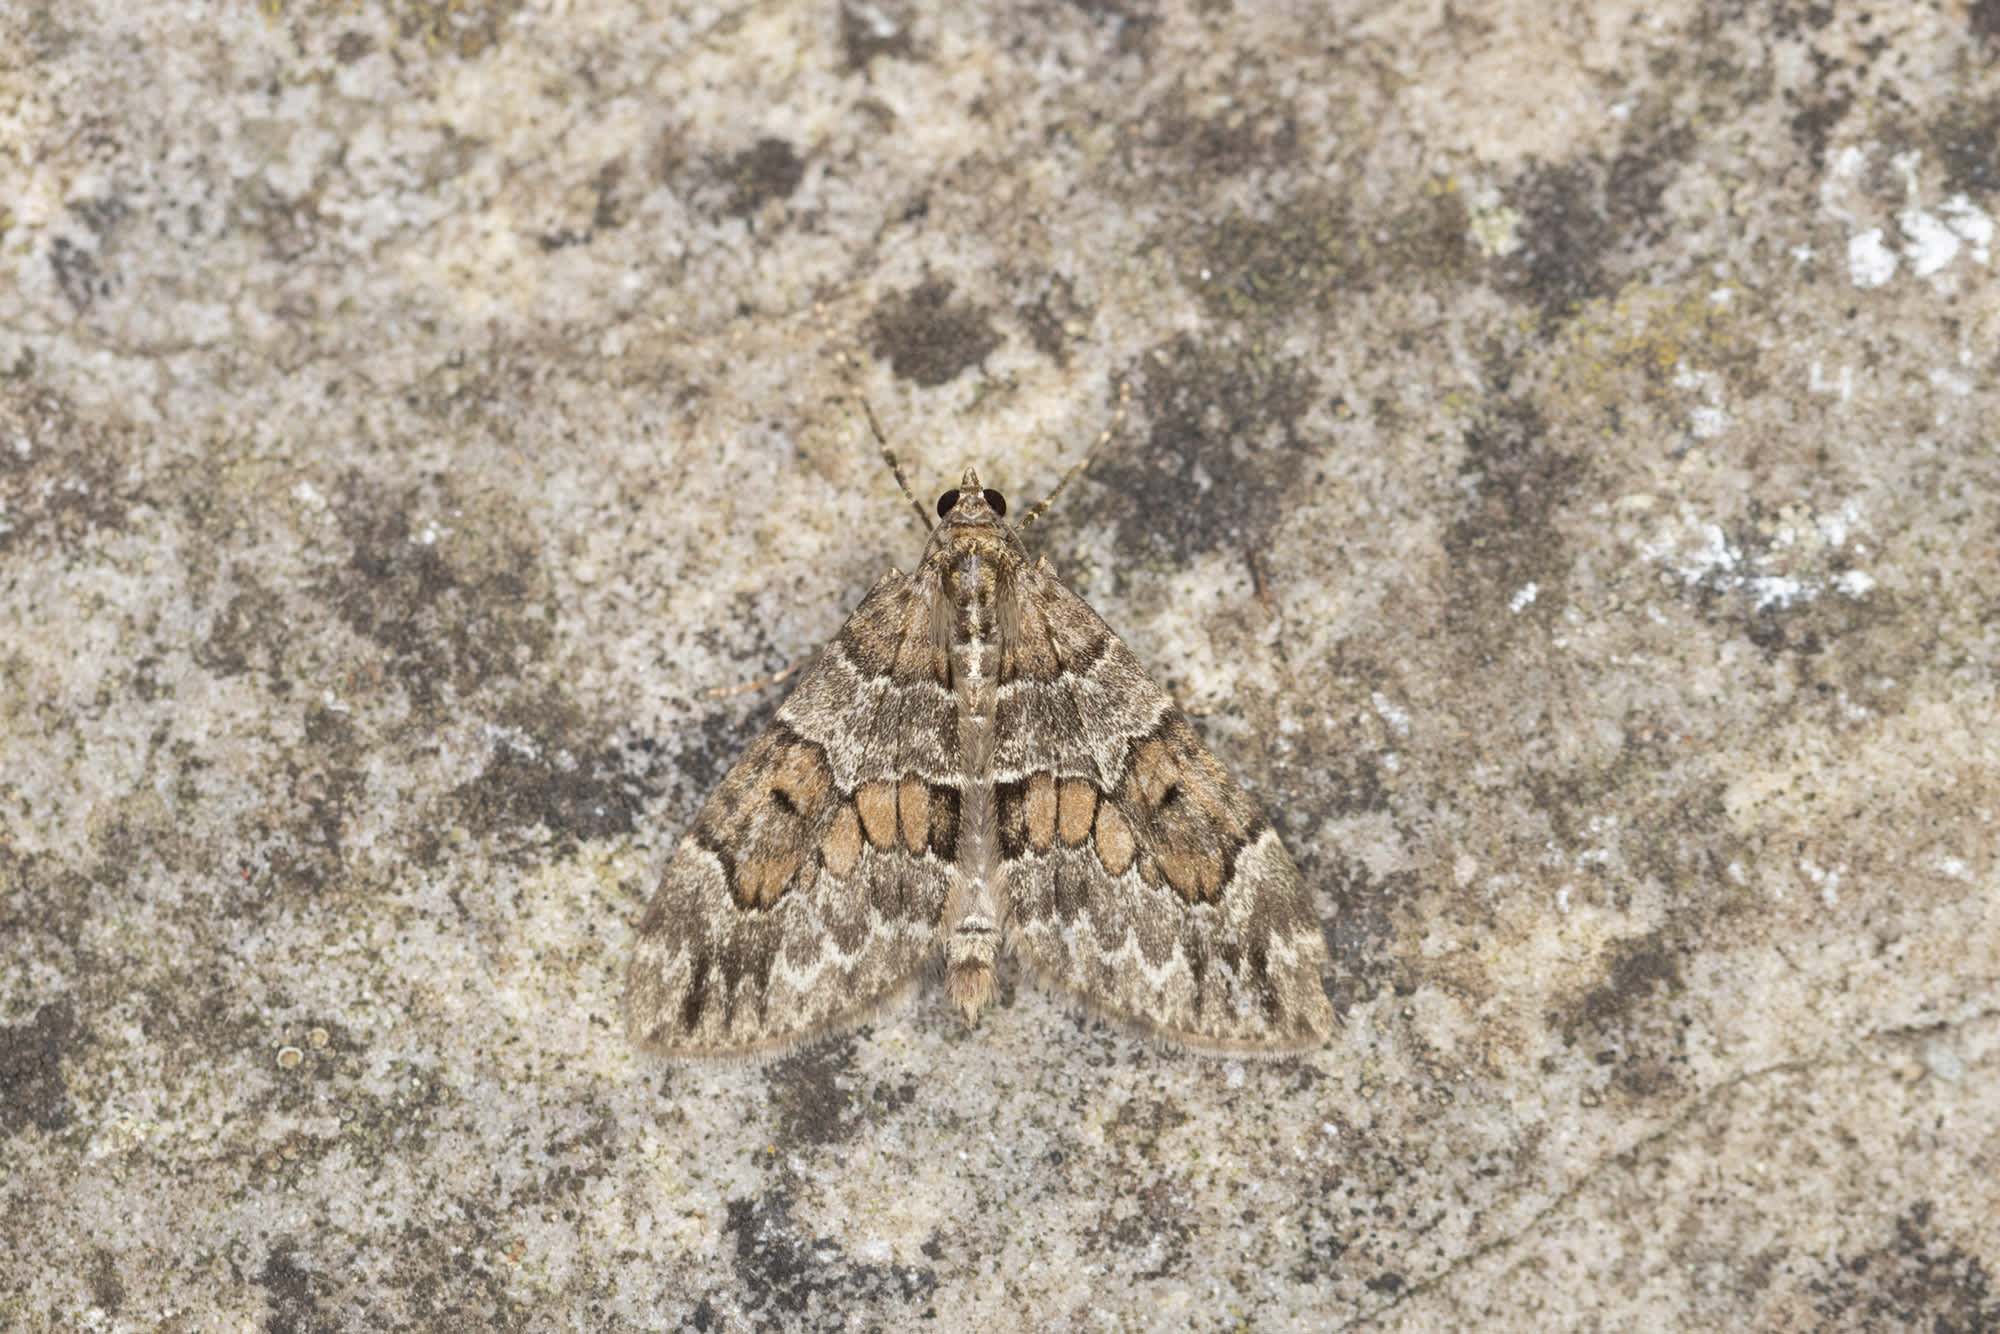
[[1560, 480]]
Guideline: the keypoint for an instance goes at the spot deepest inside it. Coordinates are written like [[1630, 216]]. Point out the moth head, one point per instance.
[[970, 500]]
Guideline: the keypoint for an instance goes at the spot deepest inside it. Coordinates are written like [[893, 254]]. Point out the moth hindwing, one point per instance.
[[976, 761]]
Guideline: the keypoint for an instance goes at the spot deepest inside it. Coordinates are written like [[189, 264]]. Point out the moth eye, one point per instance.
[[997, 503], [945, 502]]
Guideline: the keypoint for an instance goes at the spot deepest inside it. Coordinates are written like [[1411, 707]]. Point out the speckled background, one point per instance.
[[1561, 480]]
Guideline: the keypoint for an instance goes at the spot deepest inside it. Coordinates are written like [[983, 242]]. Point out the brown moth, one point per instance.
[[975, 762]]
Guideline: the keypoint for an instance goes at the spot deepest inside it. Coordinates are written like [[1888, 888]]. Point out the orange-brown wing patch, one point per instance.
[[876, 803], [764, 819]]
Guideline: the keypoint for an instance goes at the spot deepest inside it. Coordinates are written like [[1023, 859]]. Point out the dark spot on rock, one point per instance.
[[771, 169], [352, 45], [929, 338], [1222, 454], [1641, 970], [547, 770], [1155, 1223], [1576, 215], [1822, 104], [812, 1106], [612, 208], [1982, 19], [1506, 535], [1914, 1279], [1966, 136], [1250, 134], [295, 1294], [1360, 935], [793, 1281], [249, 634], [72, 477], [32, 1090], [1272, 266], [871, 30], [451, 588], [466, 28], [76, 273], [107, 1289], [1049, 319]]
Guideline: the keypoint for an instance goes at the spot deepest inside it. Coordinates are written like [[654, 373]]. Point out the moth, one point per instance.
[[976, 763]]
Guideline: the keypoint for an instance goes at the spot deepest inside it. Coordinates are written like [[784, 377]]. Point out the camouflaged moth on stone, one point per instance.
[[977, 762]]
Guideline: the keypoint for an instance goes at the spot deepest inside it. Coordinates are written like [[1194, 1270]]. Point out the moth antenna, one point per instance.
[[889, 457], [1117, 420]]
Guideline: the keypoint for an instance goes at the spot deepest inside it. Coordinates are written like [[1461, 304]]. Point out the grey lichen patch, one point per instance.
[[304, 1292], [1581, 219], [62, 477], [1641, 973], [451, 588], [1919, 1277], [1514, 480], [1314, 250], [465, 28], [1211, 410], [549, 770], [928, 338], [33, 1092], [1248, 266], [249, 633], [1055, 319], [293, 851], [789, 1278], [768, 170], [380, 1119], [869, 32], [811, 1092], [1965, 135]]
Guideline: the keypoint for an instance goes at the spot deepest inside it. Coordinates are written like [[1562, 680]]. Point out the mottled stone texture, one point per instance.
[[1560, 480]]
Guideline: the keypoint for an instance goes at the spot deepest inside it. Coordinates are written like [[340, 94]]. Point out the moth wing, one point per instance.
[[1142, 878], [807, 893]]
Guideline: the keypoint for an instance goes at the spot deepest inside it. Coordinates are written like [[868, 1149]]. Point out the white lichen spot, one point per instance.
[[1706, 423], [1870, 261], [1391, 713], [1827, 881], [1842, 384], [1495, 226], [1713, 556], [1943, 1062], [1931, 245], [1777, 591], [1835, 526], [1973, 225]]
